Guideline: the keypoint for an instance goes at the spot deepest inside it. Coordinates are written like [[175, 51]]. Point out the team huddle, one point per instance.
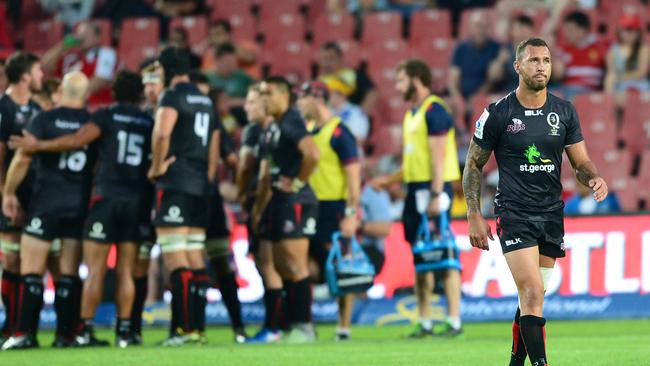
[[79, 182]]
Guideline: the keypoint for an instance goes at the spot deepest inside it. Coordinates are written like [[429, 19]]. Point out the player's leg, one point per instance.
[[125, 291], [67, 299], [274, 302], [524, 266], [452, 282], [28, 306], [95, 255], [200, 279], [141, 284], [10, 277], [346, 304]]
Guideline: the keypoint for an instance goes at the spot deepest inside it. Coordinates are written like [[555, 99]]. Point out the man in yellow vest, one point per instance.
[[430, 162], [336, 182]]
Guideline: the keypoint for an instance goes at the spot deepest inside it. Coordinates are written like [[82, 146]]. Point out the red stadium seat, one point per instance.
[[597, 119], [6, 43], [635, 130], [644, 168], [627, 192], [427, 24], [437, 53], [225, 9], [378, 27], [396, 109], [243, 27], [333, 27], [140, 40], [273, 9], [285, 28], [106, 31], [479, 103], [293, 60], [466, 15], [42, 35], [382, 59], [196, 27]]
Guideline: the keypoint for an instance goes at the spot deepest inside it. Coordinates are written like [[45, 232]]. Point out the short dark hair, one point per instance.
[[524, 20], [127, 87], [225, 49], [18, 64], [533, 42], [280, 81], [332, 46], [197, 77], [182, 31], [579, 18], [175, 61], [223, 23], [50, 86], [416, 68]]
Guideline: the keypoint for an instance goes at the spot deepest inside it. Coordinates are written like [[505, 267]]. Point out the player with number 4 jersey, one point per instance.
[[123, 135]]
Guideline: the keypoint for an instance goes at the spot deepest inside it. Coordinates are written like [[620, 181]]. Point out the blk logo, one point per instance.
[[529, 113]]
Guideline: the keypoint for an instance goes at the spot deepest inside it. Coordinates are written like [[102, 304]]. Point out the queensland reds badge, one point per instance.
[[553, 121]]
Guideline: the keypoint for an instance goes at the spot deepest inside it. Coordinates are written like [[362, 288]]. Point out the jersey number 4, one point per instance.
[[201, 126], [129, 148]]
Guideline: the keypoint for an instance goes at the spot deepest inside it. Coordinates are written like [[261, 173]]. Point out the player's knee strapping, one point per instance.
[[196, 242], [144, 251], [172, 243], [546, 273], [218, 247], [8, 246], [55, 248]]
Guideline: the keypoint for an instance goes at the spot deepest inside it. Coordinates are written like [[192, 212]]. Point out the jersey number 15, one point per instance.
[[129, 149]]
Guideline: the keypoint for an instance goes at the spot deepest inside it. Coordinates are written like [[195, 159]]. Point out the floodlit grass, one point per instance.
[[592, 343]]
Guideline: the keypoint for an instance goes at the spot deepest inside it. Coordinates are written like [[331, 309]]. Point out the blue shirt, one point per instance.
[[578, 205], [439, 121], [473, 63], [376, 206]]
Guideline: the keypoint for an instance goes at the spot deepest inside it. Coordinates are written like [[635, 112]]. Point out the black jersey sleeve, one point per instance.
[[36, 127], [488, 128], [6, 122], [100, 118], [226, 143], [169, 99], [294, 129], [573, 130], [251, 135]]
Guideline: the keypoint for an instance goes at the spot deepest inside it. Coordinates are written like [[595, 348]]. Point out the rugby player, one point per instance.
[[430, 163], [248, 172], [185, 155], [123, 135], [336, 182], [17, 108], [290, 217], [528, 130], [57, 210]]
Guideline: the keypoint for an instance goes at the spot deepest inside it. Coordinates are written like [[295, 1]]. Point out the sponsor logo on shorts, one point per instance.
[[516, 126], [535, 162], [97, 231], [35, 226], [173, 215], [310, 226], [514, 241], [288, 227]]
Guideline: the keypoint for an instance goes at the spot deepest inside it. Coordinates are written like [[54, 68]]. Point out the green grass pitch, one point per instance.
[[590, 343]]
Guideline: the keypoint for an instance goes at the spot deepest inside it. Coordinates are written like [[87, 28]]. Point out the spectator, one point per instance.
[[117, 10], [376, 222], [583, 203], [220, 32], [580, 63], [471, 60], [69, 12], [628, 60], [330, 62], [501, 73], [227, 75], [354, 118], [175, 8], [83, 52], [179, 38], [220, 100]]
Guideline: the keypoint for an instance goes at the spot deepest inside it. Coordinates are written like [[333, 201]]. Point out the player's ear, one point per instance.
[[515, 64]]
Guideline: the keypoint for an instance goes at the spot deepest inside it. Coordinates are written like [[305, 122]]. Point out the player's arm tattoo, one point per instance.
[[476, 159], [586, 172]]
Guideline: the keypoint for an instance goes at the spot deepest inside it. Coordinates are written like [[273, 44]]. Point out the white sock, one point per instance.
[[427, 324], [454, 322], [340, 330]]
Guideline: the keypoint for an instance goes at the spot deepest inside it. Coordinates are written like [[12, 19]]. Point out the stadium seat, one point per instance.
[[644, 167], [463, 30], [226, 9], [382, 59], [285, 28], [243, 27], [396, 109], [41, 35], [269, 9], [141, 43], [627, 192], [428, 24], [378, 27], [479, 103], [293, 60], [437, 53], [106, 31], [333, 27], [635, 130], [598, 120], [196, 27], [538, 15], [613, 15], [614, 164], [6, 43]]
